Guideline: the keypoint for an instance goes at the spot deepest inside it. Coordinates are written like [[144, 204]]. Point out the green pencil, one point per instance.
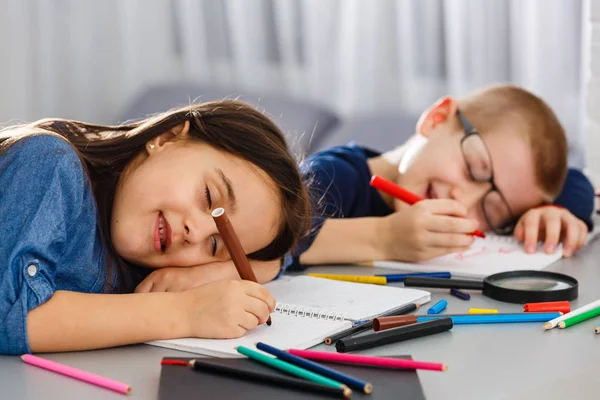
[[579, 318], [290, 368]]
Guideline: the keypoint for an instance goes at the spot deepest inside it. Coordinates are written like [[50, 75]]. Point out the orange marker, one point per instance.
[[406, 196]]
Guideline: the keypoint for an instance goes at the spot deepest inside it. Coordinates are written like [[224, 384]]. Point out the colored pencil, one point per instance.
[[366, 325], [383, 323], [401, 277], [406, 196], [460, 294], [393, 335], [351, 381], [234, 247], [290, 368], [580, 310], [374, 280], [594, 312], [482, 311], [438, 307], [259, 377], [385, 362], [77, 374], [562, 306], [493, 318]]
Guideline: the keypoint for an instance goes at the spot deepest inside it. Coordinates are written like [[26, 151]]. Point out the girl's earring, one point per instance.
[[151, 146]]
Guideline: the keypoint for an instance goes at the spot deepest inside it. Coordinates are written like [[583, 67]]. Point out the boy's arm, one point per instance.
[[346, 240]]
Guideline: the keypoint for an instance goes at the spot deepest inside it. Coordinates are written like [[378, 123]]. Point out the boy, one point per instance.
[[481, 162]]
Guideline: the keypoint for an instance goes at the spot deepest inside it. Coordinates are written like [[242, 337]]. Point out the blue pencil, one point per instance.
[[400, 277], [494, 318], [354, 383]]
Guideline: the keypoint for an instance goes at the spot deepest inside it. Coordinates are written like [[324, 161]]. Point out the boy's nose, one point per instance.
[[470, 196]]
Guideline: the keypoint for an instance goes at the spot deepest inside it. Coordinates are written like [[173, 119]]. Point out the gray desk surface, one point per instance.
[[517, 361]]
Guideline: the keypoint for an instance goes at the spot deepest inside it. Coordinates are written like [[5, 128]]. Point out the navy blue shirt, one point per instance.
[[339, 180], [50, 239]]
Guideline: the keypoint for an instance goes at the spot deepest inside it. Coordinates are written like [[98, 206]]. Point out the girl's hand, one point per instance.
[[225, 309], [553, 225], [428, 229], [179, 279]]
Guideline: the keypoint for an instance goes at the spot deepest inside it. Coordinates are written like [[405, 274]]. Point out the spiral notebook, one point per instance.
[[487, 256], [308, 310]]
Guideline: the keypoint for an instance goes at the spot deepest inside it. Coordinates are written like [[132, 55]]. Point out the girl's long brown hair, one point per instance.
[[228, 125]]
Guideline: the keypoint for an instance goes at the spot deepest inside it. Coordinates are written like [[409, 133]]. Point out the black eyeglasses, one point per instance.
[[477, 157]]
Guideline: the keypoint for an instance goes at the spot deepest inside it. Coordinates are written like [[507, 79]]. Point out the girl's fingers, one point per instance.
[[145, 286], [259, 292], [258, 308]]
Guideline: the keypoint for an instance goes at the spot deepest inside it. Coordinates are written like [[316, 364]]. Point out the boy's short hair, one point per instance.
[[511, 107]]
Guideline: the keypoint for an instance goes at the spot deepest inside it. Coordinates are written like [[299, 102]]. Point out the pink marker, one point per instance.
[[386, 362], [77, 374]]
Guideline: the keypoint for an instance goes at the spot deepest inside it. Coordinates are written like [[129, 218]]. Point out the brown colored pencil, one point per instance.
[[234, 247]]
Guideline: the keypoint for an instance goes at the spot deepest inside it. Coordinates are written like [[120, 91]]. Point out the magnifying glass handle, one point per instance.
[[428, 282]]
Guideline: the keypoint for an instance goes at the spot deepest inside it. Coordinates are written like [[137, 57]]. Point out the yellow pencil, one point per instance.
[[375, 280], [482, 311]]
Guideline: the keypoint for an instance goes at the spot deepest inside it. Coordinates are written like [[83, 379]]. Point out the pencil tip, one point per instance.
[[347, 391], [444, 367]]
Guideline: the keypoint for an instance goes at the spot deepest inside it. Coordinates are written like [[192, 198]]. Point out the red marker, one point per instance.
[[406, 196]]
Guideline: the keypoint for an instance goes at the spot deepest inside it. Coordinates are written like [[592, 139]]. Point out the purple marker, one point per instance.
[[460, 294]]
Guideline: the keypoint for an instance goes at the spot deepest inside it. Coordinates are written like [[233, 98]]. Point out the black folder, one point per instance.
[[181, 382]]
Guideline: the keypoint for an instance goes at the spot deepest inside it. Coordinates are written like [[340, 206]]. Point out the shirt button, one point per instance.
[[32, 270]]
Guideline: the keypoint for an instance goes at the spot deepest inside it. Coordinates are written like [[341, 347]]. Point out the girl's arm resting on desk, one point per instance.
[[174, 279], [72, 321]]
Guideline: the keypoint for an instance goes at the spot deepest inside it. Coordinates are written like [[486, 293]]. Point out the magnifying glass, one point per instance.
[[511, 287]]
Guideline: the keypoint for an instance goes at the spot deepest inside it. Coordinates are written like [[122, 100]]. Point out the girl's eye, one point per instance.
[[214, 244], [208, 198]]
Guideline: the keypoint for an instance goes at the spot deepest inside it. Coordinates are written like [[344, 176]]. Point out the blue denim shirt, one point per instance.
[[50, 239]]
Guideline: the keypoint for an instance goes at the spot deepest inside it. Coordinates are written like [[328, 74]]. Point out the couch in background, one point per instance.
[[309, 127]]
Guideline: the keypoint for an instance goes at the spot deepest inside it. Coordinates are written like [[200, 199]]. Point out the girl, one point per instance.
[[87, 209]]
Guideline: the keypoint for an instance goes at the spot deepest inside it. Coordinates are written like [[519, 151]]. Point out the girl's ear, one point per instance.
[[180, 131], [441, 112]]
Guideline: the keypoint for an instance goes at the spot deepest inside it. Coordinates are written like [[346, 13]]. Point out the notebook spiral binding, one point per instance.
[[310, 312]]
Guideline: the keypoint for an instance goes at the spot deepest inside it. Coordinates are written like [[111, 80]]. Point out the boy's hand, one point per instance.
[[179, 279], [428, 229], [225, 309], [552, 225]]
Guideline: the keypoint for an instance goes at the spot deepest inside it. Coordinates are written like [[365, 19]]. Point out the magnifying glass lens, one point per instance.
[[531, 283]]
